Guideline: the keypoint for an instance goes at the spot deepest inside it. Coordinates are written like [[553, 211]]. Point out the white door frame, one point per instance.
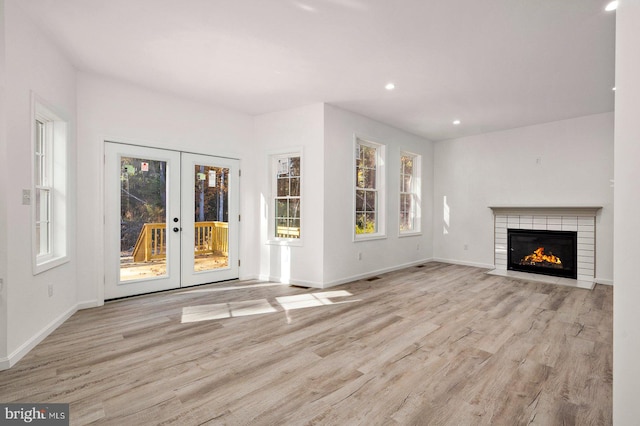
[[179, 273]]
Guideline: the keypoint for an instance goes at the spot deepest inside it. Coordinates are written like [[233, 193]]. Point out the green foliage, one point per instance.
[[364, 226]]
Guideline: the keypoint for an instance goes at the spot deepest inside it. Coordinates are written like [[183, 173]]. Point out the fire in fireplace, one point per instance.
[[542, 252]]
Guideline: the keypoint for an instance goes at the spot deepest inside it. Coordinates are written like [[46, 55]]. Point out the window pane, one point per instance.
[[407, 165], [406, 183], [370, 201], [283, 187], [39, 154], [371, 223], [405, 202], [281, 208], [361, 223], [369, 156], [370, 178], [295, 187], [38, 203], [294, 208], [405, 224], [360, 200], [360, 177], [294, 166]]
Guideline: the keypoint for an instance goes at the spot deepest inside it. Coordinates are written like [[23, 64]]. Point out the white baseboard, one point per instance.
[[604, 281], [301, 283], [463, 263], [374, 273], [320, 285], [18, 354], [89, 304]]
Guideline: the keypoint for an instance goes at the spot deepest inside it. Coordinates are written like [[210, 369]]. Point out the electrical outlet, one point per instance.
[[50, 290], [418, 246], [359, 256], [1, 284], [466, 246]]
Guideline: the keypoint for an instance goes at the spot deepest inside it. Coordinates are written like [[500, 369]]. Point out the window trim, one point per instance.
[[273, 158], [416, 190], [57, 132], [381, 185]]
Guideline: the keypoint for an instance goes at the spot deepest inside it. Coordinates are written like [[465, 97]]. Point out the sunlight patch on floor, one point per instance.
[[261, 306]]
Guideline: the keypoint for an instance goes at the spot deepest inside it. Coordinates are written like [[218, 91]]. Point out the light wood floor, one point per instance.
[[432, 345]]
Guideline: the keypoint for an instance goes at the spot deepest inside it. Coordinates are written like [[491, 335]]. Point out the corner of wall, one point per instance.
[[3, 195]]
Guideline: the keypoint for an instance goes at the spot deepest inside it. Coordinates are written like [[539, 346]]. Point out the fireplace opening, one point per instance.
[[543, 252]]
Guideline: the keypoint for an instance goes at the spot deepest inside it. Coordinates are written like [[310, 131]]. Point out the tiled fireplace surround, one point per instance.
[[580, 219]]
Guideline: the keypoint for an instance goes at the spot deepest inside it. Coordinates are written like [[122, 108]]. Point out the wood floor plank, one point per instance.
[[436, 344]]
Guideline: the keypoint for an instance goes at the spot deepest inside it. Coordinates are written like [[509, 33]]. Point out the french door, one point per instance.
[[171, 219]]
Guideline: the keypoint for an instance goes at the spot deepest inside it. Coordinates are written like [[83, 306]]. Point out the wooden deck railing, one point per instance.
[[287, 232], [151, 244], [210, 237]]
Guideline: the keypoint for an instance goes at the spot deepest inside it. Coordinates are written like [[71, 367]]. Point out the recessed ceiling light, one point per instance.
[[611, 6], [390, 86], [456, 122]]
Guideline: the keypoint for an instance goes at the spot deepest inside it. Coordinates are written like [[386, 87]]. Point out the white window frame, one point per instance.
[[414, 191], [54, 181], [380, 209], [274, 161]]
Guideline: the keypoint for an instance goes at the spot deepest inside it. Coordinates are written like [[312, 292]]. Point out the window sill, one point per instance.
[[368, 237], [410, 234], [285, 243], [45, 265]]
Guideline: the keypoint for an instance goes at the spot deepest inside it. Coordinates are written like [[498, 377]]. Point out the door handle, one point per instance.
[[175, 219], [176, 229]]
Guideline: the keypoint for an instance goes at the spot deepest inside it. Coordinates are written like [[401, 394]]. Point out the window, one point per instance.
[[49, 238], [369, 194], [286, 172], [43, 190], [409, 193]]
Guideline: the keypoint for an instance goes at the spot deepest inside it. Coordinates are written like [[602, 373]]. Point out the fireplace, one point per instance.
[[543, 252]]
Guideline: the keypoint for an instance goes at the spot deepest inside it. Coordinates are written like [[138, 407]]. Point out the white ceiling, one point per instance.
[[494, 64]]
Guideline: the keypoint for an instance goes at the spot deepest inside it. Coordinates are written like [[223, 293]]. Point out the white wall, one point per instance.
[[340, 251], [33, 63], [626, 314], [4, 177], [296, 129], [575, 167], [120, 112]]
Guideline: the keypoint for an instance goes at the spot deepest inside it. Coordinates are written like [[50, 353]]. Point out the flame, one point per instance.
[[538, 256]]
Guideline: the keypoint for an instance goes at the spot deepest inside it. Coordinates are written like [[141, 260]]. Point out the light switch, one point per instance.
[[26, 197]]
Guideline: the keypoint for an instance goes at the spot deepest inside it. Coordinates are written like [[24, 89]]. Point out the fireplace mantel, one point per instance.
[[578, 211]]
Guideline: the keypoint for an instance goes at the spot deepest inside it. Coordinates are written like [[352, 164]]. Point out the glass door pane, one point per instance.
[[143, 229], [211, 218]]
